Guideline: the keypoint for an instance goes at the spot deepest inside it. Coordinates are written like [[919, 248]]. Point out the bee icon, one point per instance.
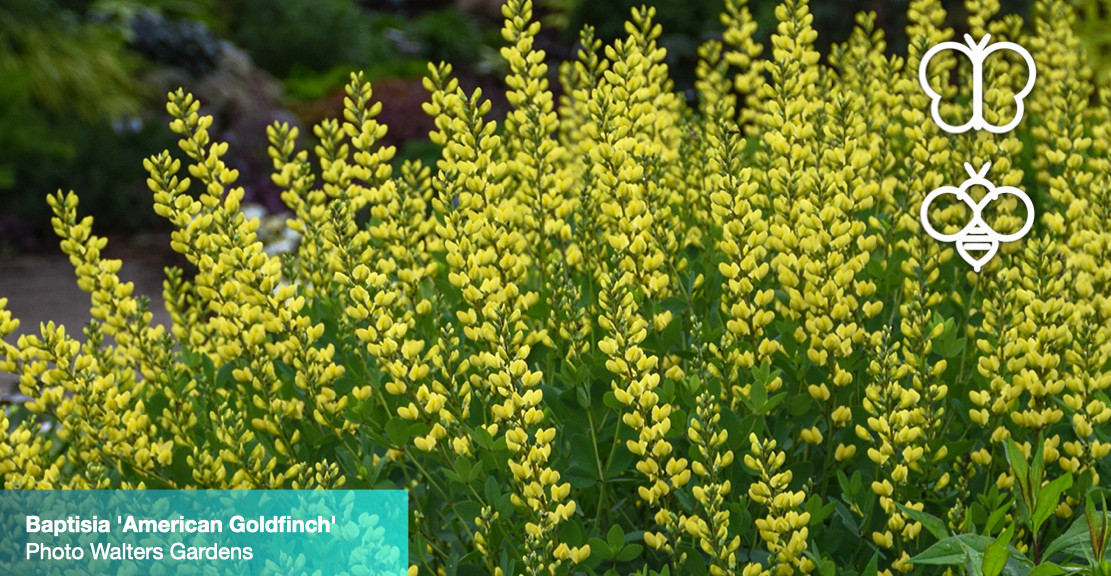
[[977, 235]]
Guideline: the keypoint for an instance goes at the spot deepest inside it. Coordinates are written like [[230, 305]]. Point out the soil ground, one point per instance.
[[43, 287]]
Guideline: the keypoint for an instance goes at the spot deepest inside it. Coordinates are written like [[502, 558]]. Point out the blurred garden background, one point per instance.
[[84, 83]]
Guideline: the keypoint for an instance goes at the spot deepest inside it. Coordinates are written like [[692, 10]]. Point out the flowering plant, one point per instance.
[[620, 332]]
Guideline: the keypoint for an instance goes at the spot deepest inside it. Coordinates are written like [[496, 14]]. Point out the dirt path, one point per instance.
[[43, 287]]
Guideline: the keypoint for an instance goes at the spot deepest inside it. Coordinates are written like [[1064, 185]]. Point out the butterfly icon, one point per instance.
[[977, 53]]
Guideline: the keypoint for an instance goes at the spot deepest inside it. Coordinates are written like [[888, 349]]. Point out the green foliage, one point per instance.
[[73, 67], [282, 35], [1087, 539], [22, 126], [398, 47], [446, 35], [66, 79], [95, 157], [213, 13], [57, 70]]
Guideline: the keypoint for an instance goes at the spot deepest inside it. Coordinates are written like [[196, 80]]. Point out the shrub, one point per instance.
[[285, 35], [65, 77], [616, 334]]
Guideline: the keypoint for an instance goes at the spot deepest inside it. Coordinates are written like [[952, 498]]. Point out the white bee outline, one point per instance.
[[977, 235]]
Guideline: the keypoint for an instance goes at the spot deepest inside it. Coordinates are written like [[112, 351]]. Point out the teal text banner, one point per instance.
[[204, 532]]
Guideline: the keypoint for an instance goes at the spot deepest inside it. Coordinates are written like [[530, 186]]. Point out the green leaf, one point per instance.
[[599, 549], [1099, 527], [843, 483], [482, 438], [774, 402], [1037, 472], [470, 564], [580, 477], [397, 429], [818, 513], [731, 421], [453, 476], [931, 523], [758, 395], [946, 552], [492, 490], [1048, 498], [615, 538], [997, 516], [949, 346], [462, 467], [572, 533], [581, 447], [974, 556], [1017, 460], [224, 378], [1094, 529], [468, 510], [630, 553], [1071, 542], [582, 396], [872, 568], [692, 384], [799, 405], [995, 557], [1021, 471], [951, 550], [1047, 569], [762, 373], [476, 472], [847, 519]]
